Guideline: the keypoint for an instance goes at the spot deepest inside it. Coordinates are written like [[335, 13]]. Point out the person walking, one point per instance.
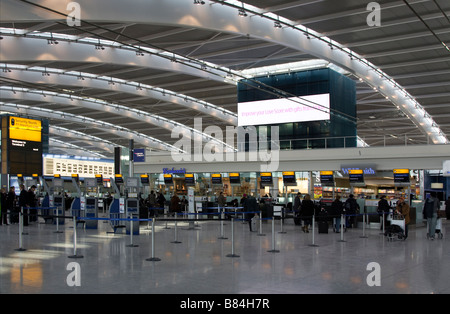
[[430, 209], [402, 208]]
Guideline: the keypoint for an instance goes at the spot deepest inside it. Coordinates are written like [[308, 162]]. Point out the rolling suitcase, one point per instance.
[[323, 226]]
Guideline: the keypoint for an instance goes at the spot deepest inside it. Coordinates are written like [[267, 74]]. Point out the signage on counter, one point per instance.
[[174, 171]]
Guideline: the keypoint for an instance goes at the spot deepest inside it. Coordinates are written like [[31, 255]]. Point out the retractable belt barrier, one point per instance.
[[175, 219]]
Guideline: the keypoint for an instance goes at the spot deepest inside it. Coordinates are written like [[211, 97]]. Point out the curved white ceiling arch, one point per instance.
[[16, 49], [83, 79], [80, 136], [68, 147], [143, 139], [223, 16], [42, 96]]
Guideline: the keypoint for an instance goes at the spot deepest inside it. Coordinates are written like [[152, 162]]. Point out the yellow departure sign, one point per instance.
[[25, 129]]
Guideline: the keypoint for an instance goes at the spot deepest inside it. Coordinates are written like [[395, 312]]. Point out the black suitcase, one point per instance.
[[323, 226], [297, 221]]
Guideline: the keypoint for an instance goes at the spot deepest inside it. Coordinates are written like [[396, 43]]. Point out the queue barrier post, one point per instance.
[[382, 223], [313, 231], [75, 255], [273, 250], [342, 228], [222, 236], [281, 222], [260, 225], [131, 233], [176, 231], [232, 240], [153, 258], [57, 221], [364, 226], [20, 231]]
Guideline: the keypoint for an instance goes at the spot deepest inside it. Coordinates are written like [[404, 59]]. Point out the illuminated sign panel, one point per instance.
[[266, 178], [235, 178], [284, 110], [25, 129], [189, 179], [168, 179], [327, 177], [216, 178], [401, 175]]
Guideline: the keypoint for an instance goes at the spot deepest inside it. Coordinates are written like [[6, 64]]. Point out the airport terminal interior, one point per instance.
[[225, 147]]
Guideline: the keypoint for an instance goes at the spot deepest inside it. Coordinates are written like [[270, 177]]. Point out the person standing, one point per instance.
[[402, 208], [297, 203], [336, 211], [307, 211], [430, 209], [175, 203], [11, 204], [383, 208], [251, 206], [32, 203], [351, 208], [221, 201], [4, 208], [447, 208]]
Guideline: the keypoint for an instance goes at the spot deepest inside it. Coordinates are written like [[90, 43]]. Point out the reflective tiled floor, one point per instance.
[[200, 265]]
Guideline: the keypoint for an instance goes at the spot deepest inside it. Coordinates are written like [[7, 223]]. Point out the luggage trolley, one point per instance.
[[396, 229]]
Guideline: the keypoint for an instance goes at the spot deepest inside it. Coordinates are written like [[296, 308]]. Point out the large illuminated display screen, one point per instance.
[[284, 110]]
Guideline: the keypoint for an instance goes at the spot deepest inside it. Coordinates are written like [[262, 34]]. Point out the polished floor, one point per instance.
[[200, 264]]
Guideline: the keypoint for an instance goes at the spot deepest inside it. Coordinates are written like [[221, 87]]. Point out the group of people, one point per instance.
[[156, 201], [10, 204], [305, 209]]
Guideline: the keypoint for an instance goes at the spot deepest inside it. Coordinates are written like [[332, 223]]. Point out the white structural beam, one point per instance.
[[73, 149], [88, 80], [20, 49], [122, 132], [98, 142], [41, 96]]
